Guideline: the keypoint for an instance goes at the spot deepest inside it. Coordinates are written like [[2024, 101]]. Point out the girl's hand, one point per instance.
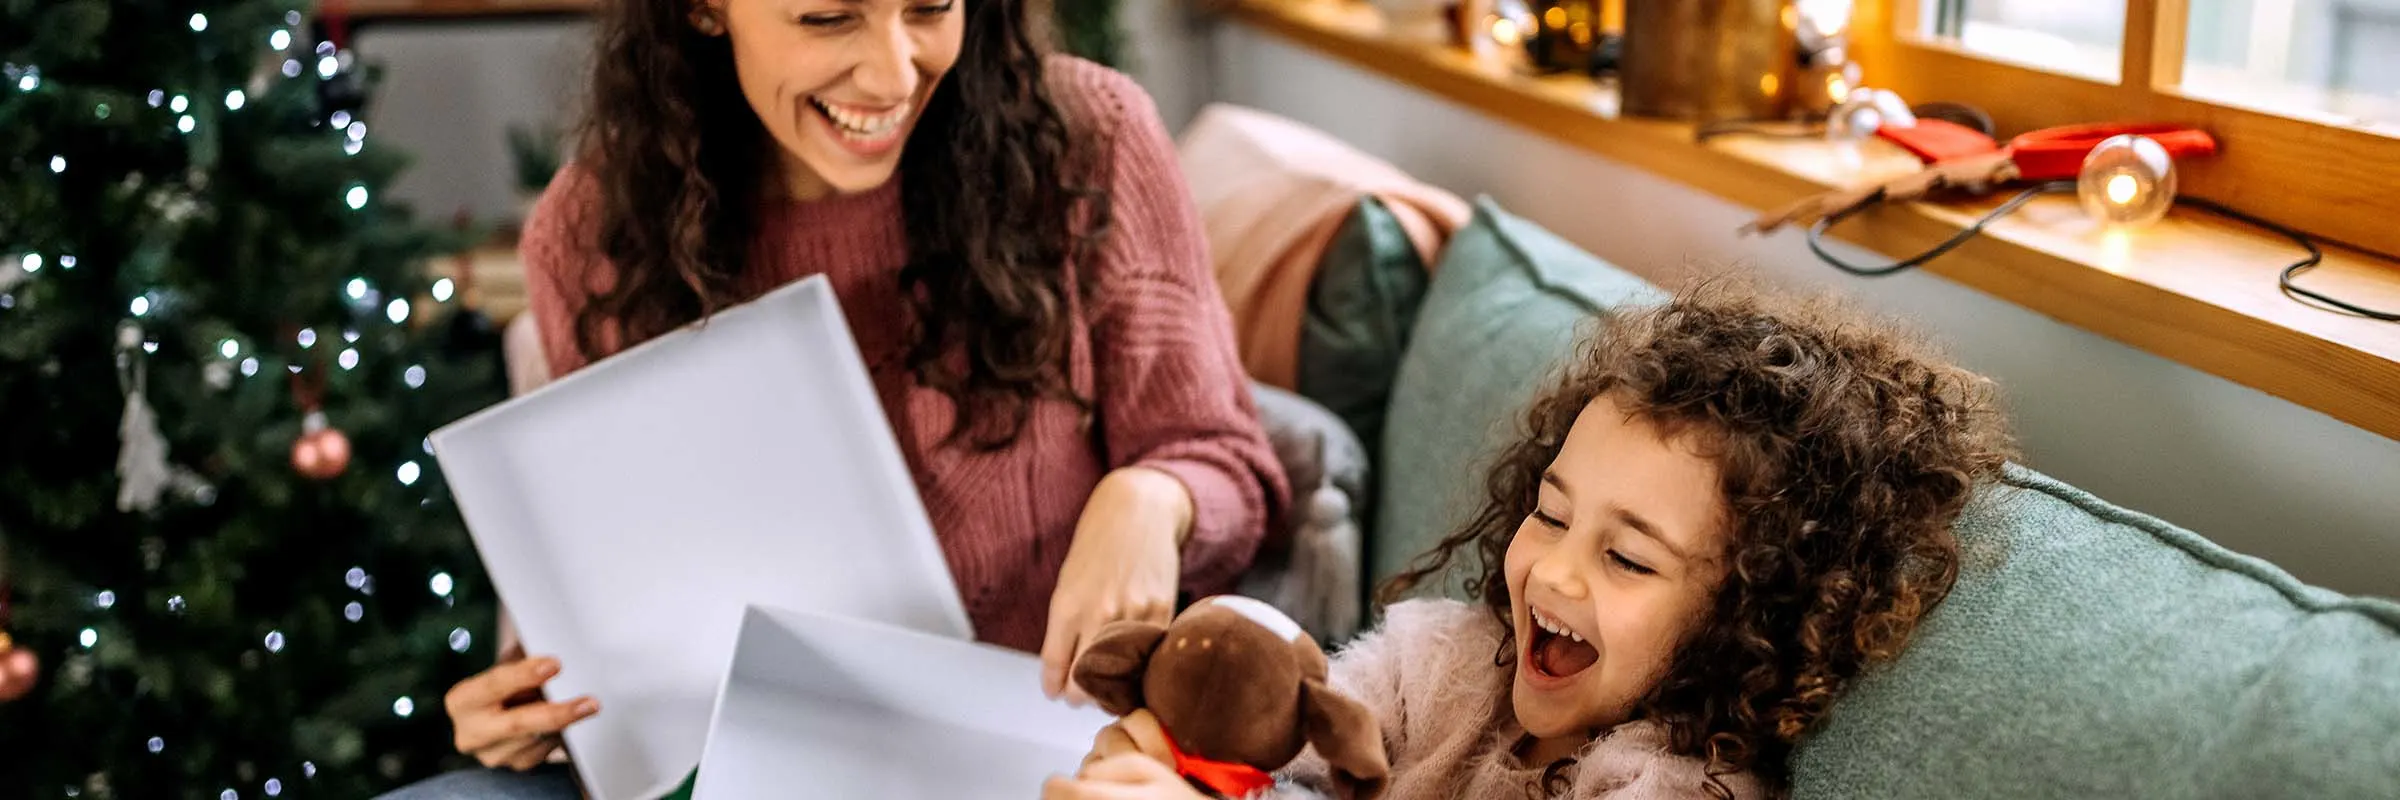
[[18, 671], [1131, 776], [1124, 564], [499, 716]]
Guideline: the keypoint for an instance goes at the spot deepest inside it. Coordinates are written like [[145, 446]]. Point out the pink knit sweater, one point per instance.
[[1451, 732], [1154, 347]]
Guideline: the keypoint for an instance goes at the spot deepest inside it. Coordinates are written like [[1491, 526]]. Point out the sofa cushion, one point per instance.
[[1505, 304], [1361, 306], [1313, 570], [2091, 651]]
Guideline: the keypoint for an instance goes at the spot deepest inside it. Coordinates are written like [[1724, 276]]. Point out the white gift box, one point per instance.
[[817, 705], [629, 513]]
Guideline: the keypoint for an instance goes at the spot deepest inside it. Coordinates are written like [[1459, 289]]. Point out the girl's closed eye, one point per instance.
[[1630, 565], [932, 9], [1548, 521]]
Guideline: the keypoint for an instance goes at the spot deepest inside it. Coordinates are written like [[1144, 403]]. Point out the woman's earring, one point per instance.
[[706, 22]]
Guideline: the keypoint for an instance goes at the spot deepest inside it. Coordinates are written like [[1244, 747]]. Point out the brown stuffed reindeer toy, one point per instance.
[[1225, 695]]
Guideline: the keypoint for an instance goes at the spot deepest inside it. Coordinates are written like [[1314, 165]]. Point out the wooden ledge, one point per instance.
[[2194, 288]]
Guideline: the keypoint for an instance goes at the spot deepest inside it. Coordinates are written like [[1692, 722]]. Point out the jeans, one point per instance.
[[547, 782]]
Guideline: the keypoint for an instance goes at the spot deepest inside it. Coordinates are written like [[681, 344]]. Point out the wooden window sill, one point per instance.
[[2195, 288]]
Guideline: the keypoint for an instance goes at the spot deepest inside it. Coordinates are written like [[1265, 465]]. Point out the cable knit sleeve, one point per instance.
[[560, 246], [1171, 391]]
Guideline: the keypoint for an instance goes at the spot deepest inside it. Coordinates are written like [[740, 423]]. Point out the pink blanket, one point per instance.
[[1272, 193]]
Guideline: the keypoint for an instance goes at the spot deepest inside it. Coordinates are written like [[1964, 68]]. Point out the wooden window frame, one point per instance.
[[2329, 179]]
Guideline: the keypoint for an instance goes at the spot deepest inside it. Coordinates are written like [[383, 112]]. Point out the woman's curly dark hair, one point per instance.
[[1846, 450], [996, 194]]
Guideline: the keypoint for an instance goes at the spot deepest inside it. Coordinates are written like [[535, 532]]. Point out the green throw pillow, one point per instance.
[[1505, 305], [1361, 305]]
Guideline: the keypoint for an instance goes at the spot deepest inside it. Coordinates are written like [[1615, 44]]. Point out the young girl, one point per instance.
[[1724, 511]]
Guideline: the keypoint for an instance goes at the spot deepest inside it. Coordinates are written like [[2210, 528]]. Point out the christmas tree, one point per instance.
[[221, 351]]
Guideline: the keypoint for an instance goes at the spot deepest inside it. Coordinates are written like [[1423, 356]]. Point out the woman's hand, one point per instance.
[[1124, 564], [18, 671], [1131, 776], [499, 716]]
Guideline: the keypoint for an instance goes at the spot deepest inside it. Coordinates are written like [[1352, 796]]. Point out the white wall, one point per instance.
[[450, 91], [2263, 476]]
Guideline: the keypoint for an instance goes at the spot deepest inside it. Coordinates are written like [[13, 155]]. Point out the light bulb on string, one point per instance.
[[88, 638], [157, 745], [234, 100], [348, 358], [1825, 18], [30, 80], [327, 66], [185, 124], [66, 262], [180, 104], [408, 473], [350, 147], [199, 22], [441, 290], [139, 306], [460, 640], [404, 707], [441, 584], [105, 600], [397, 311], [356, 197], [414, 377], [249, 367], [356, 288], [2127, 180], [32, 262], [307, 338], [58, 164], [281, 40], [357, 131], [291, 17], [291, 68], [100, 111], [274, 641], [157, 98], [341, 119], [349, 335], [273, 788], [354, 612], [230, 348]]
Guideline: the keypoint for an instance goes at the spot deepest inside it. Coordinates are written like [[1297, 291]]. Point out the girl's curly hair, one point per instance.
[[1846, 450]]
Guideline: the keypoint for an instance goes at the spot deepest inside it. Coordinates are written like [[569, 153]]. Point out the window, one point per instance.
[[2077, 38], [2302, 95], [2339, 59]]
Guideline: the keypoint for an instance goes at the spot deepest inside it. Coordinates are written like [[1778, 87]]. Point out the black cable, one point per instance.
[[1816, 233], [2299, 294], [2315, 256]]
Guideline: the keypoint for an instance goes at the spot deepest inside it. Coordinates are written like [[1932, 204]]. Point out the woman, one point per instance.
[[1022, 268]]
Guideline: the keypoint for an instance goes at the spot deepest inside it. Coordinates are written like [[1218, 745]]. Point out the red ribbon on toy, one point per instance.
[[2048, 154], [1228, 778]]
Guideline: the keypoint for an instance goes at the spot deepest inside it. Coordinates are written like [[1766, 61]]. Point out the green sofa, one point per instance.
[[2087, 650]]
